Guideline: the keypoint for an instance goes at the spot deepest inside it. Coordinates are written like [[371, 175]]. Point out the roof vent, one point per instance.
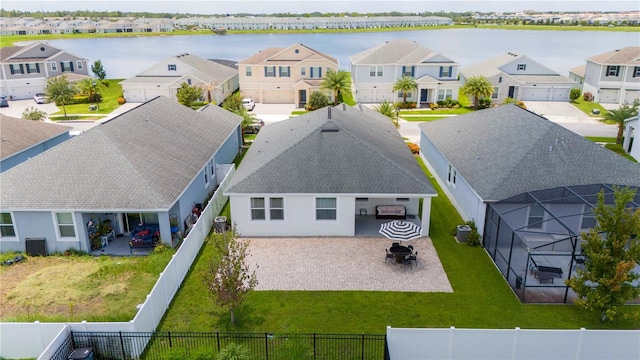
[[360, 107], [328, 112], [329, 127], [344, 107]]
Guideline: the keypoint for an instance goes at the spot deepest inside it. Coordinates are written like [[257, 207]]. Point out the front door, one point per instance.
[[512, 92], [302, 96], [424, 95]]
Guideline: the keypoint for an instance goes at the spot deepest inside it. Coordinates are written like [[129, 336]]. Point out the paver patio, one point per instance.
[[343, 263]]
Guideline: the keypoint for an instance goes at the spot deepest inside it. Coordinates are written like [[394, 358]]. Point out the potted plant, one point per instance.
[[173, 223]]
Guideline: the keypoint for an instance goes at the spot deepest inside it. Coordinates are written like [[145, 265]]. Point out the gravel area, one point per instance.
[[331, 263]]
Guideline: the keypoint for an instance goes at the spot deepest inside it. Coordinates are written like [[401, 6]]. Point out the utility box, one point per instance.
[[220, 224], [81, 354], [36, 246], [462, 232]]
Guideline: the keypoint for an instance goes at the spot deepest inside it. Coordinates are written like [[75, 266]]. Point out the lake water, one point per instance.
[[559, 50]]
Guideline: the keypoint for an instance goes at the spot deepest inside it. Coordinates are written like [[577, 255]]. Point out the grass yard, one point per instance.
[[109, 102], [422, 118], [587, 106], [481, 299], [78, 287]]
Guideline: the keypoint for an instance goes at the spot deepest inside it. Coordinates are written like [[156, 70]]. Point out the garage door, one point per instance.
[[366, 96], [278, 97], [560, 94], [608, 96], [24, 92], [534, 94], [631, 96]]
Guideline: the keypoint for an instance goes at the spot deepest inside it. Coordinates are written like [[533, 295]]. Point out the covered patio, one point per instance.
[[369, 226]]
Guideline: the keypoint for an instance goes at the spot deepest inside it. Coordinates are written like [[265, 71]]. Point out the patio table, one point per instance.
[[400, 252]]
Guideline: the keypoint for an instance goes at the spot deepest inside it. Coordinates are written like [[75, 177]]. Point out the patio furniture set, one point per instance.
[[144, 236], [404, 255], [545, 273]]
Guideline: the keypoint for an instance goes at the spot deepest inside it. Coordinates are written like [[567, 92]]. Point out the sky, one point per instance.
[[219, 7]]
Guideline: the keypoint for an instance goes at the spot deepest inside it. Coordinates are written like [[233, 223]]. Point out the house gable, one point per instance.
[[531, 67]]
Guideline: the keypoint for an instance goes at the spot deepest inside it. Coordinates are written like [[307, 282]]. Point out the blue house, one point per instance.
[[147, 166], [24, 139]]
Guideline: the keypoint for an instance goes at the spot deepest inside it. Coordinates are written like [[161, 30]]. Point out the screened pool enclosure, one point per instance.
[[534, 238]]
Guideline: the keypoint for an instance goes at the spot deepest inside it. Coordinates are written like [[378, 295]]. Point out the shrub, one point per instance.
[[587, 96], [521, 104], [433, 106], [234, 351], [105, 83], [473, 239], [574, 94], [484, 103], [121, 101], [449, 103], [317, 100], [415, 149], [79, 99], [32, 113], [407, 105]]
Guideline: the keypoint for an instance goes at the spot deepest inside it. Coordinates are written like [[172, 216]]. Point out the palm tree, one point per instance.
[[389, 110], [339, 82], [210, 87], [621, 114], [91, 88], [405, 84], [60, 91], [248, 119], [477, 86]]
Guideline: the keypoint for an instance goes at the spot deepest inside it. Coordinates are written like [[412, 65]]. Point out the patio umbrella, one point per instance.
[[400, 230]]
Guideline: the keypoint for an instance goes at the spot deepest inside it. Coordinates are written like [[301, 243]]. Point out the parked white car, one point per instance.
[[40, 98], [248, 104]]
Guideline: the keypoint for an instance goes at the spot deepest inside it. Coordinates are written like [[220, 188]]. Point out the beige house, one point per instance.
[[284, 75]]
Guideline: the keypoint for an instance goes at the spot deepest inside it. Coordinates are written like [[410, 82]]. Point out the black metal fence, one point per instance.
[[262, 346]]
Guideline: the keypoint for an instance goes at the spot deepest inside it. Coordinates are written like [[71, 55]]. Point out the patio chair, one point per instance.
[[579, 260], [413, 257], [395, 244], [410, 247], [389, 256], [407, 262]]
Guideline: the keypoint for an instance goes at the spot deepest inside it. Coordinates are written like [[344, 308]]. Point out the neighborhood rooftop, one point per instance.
[[629, 55], [18, 134], [142, 159], [399, 51], [505, 151]]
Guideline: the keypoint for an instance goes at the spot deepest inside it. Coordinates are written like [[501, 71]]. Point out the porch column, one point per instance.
[[426, 215]]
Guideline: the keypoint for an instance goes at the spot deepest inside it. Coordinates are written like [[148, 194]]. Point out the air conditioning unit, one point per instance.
[[81, 354]]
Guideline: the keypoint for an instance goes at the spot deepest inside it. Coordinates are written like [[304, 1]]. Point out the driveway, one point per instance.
[[570, 117], [334, 263]]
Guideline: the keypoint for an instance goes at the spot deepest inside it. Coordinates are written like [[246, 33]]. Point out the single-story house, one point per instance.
[[529, 185], [316, 174], [23, 139], [217, 78], [147, 165]]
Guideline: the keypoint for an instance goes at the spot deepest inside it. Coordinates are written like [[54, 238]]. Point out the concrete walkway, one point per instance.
[[336, 263]]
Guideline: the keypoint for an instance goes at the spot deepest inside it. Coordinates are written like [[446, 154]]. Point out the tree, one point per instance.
[[210, 87], [389, 110], [91, 88], [477, 87], [339, 82], [233, 102], [317, 100], [188, 94], [32, 113], [60, 91], [612, 251], [405, 84], [227, 276], [98, 70], [574, 94], [621, 114], [248, 118]]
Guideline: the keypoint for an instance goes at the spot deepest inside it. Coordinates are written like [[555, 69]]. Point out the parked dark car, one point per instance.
[[4, 102], [251, 129]]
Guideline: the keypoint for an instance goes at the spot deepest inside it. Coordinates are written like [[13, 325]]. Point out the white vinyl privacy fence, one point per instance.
[[512, 344], [40, 340]]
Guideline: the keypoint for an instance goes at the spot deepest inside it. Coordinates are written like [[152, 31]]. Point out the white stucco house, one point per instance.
[[217, 78], [614, 77], [521, 78], [631, 142], [375, 70], [315, 174]]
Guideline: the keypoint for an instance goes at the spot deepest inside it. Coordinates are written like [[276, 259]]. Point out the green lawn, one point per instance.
[[109, 101], [587, 106], [481, 299], [601, 139], [422, 118]]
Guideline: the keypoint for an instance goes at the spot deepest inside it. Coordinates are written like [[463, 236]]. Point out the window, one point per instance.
[[66, 66], [375, 71], [54, 66], [536, 216], [588, 218], [522, 67], [248, 71], [316, 71], [451, 177], [500, 79], [188, 81], [65, 225], [79, 64], [269, 71], [362, 199], [212, 167], [33, 68], [16, 69], [402, 199], [257, 209], [613, 70], [636, 71], [445, 71], [401, 95], [408, 70], [303, 71], [6, 225], [172, 67], [284, 71], [444, 94], [276, 208], [494, 94], [206, 175], [326, 208]]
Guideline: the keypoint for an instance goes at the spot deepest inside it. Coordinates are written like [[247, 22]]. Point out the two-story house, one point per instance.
[[218, 79], [284, 75], [375, 70], [614, 77], [25, 69], [521, 78]]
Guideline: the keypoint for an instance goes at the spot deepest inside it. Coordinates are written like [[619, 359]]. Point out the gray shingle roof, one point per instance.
[[628, 55], [366, 155], [142, 159], [19, 134], [507, 150], [398, 51]]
